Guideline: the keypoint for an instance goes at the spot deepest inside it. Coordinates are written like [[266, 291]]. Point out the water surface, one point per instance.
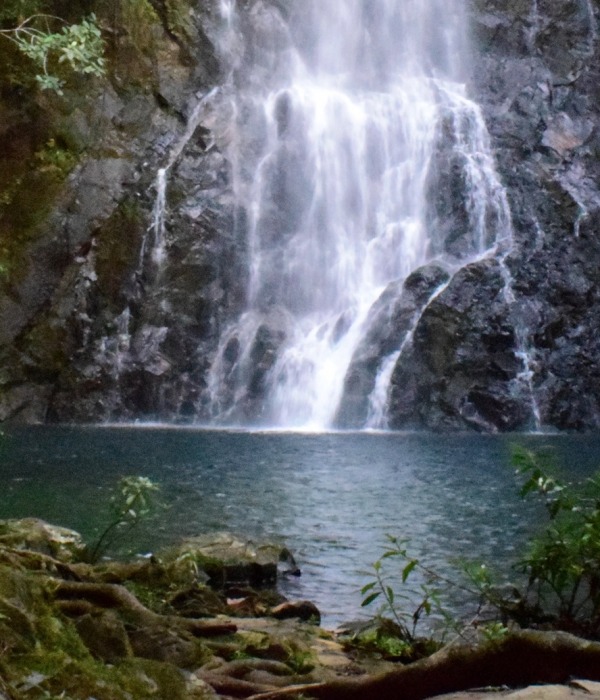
[[330, 497]]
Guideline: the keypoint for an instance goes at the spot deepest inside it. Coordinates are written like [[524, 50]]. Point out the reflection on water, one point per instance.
[[331, 497]]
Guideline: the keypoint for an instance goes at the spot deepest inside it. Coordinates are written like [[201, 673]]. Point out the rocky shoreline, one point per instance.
[[204, 621], [201, 621]]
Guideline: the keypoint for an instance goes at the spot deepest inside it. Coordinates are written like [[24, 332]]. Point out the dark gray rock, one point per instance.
[[538, 85], [227, 560], [298, 610], [392, 318], [461, 368]]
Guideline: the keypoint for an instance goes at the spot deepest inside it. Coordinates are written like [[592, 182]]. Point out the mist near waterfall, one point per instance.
[[342, 110]]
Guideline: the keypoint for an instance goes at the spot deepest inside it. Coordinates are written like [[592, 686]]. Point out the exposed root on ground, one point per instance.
[[113, 596], [521, 659]]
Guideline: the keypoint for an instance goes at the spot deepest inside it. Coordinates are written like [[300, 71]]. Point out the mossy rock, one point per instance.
[[47, 345], [118, 251], [228, 560], [105, 636], [39, 536], [198, 601], [171, 646]]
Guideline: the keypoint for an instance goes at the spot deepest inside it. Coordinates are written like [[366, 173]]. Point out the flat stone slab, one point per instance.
[[37, 535]]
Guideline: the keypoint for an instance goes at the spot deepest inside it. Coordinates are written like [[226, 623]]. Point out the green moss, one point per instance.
[[51, 660], [382, 638], [136, 22], [33, 194], [12, 9], [135, 674], [16, 70], [139, 18], [299, 659], [178, 17], [152, 596], [55, 157], [30, 188], [47, 345]]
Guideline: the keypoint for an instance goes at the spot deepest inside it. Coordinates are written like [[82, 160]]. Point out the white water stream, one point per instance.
[[341, 114], [157, 226]]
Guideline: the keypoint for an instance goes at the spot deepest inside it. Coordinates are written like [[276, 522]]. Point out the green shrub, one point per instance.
[[77, 47], [562, 564], [558, 578], [132, 502]]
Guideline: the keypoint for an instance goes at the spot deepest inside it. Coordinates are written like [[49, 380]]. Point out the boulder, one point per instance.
[[229, 560], [38, 536], [297, 609]]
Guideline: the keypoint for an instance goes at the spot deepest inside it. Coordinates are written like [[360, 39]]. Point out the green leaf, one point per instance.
[[408, 569], [368, 587], [390, 553], [370, 598]]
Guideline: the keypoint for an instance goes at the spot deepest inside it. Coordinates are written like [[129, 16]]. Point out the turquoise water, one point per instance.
[[330, 497]]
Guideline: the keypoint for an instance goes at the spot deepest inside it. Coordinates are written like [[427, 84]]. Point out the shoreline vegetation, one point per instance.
[[204, 621]]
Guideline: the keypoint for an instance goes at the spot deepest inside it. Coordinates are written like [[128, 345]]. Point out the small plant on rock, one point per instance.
[[380, 589], [133, 500], [394, 631], [558, 578]]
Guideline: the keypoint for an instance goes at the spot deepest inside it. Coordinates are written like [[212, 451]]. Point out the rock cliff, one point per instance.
[[535, 73], [96, 324]]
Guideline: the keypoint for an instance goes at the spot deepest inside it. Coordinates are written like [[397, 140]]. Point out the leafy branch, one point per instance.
[[79, 47], [563, 563], [132, 502]]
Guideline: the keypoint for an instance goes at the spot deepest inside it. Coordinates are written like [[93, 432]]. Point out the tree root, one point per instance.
[[234, 687], [109, 595], [28, 560], [523, 658]]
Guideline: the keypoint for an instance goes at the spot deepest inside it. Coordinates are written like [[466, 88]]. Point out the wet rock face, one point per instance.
[[461, 368], [537, 78], [91, 328], [536, 75], [392, 320]]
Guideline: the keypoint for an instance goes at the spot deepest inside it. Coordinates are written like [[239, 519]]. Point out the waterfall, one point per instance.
[[157, 226], [343, 108]]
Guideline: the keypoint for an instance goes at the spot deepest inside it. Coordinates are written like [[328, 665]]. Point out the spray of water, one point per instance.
[[341, 113]]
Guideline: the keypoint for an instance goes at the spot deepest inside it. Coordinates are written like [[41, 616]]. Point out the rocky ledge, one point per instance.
[[154, 628]]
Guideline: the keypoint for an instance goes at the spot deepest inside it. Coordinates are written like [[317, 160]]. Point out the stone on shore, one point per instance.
[[228, 560]]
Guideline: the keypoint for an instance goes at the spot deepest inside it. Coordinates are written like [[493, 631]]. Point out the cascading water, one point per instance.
[[341, 113], [157, 227]]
